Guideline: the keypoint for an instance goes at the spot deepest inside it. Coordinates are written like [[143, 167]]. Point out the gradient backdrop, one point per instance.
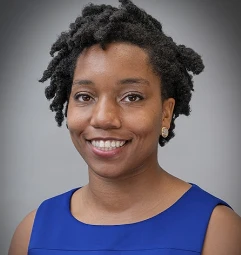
[[38, 159]]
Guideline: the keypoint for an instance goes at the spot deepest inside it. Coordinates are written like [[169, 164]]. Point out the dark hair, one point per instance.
[[103, 24]]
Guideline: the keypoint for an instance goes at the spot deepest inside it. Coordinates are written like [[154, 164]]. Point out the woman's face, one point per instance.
[[115, 113]]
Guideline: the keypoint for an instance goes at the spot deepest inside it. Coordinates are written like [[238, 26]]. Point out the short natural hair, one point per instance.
[[103, 24]]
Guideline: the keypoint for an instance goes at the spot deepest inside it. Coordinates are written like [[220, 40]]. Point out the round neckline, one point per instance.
[[145, 221]]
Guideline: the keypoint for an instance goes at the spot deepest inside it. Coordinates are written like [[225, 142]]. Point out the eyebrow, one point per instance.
[[134, 81], [83, 82], [121, 82]]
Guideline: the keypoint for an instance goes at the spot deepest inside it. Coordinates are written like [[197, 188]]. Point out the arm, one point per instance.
[[20, 240], [224, 233]]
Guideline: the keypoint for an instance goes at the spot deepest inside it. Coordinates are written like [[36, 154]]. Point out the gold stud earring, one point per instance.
[[164, 132]]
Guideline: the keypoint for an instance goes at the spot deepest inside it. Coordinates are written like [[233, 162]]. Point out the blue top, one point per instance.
[[178, 230]]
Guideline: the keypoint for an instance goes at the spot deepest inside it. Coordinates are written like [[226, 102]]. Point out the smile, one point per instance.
[[107, 145]]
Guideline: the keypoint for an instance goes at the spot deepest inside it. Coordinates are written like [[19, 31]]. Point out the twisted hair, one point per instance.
[[103, 24]]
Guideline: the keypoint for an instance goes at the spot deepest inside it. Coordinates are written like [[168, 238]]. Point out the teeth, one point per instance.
[[102, 144], [107, 145]]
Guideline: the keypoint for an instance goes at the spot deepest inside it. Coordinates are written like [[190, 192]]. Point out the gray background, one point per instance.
[[38, 159]]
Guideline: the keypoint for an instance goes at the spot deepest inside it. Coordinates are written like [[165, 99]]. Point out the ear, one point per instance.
[[167, 112]]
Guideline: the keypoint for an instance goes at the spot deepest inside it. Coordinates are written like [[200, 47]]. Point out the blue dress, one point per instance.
[[179, 230]]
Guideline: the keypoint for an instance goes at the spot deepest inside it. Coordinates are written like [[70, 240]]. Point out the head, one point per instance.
[[103, 25]]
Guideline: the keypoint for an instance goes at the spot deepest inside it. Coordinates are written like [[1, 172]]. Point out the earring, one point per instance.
[[164, 132], [67, 125]]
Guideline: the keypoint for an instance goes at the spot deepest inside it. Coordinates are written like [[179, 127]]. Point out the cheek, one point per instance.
[[143, 123], [77, 119]]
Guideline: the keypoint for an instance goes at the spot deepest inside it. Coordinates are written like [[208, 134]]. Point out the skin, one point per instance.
[[109, 111], [122, 190], [100, 106]]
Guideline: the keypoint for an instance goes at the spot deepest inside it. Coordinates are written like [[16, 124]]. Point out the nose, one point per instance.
[[106, 114]]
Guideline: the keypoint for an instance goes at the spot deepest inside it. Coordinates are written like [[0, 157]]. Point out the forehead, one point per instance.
[[117, 56]]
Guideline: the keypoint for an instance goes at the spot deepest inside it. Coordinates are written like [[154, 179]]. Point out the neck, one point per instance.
[[121, 195]]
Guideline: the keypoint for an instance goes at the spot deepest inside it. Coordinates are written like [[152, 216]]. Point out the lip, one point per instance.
[[107, 138], [110, 153]]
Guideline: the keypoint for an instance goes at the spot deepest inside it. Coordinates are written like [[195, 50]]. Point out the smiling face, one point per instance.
[[115, 113]]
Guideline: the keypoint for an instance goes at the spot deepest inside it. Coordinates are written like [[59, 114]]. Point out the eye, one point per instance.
[[133, 98], [83, 97]]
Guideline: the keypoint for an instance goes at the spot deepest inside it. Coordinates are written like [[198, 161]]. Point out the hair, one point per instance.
[[104, 24]]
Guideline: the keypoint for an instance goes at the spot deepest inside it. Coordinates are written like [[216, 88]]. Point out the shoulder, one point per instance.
[[21, 237], [223, 233]]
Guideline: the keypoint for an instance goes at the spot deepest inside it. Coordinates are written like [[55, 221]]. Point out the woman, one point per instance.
[[121, 83]]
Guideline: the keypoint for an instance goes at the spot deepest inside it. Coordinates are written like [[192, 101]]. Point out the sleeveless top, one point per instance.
[[178, 230]]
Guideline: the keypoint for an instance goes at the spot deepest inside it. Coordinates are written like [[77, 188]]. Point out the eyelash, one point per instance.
[[77, 96], [134, 95], [131, 95]]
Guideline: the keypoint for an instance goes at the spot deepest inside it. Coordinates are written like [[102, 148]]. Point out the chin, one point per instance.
[[111, 173]]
